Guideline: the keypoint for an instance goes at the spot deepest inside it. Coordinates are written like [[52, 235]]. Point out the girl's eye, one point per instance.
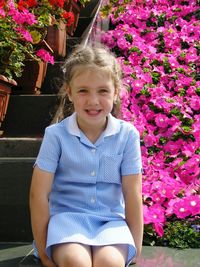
[[82, 90], [103, 91]]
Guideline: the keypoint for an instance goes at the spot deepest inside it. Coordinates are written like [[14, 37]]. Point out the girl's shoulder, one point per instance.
[[127, 127], [57, 128]]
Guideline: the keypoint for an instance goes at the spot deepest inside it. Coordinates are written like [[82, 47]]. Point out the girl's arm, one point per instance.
[[39, 209], [132, 190]]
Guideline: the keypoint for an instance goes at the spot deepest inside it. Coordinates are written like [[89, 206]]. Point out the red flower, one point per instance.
[[69, 17], [59, 3], [26, 4], [2, 3], [31, 3]]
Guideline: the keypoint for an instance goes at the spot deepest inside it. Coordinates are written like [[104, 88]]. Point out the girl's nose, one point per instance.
[[93, 99]]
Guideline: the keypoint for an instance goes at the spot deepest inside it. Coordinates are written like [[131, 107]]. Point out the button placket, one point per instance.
[[93, 150], [93, 173], [92, 200]]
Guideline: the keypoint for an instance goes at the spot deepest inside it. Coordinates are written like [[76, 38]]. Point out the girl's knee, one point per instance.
[[72, 255], [109, 256], [77, 261], [110, 261]]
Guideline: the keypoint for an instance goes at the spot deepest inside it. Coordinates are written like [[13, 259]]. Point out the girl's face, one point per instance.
[[93, 93]]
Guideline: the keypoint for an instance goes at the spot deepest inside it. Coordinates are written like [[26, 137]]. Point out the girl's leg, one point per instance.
[[110, 256], [72, 255]]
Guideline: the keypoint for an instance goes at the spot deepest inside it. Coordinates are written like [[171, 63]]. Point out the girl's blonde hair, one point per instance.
[[96, 56]]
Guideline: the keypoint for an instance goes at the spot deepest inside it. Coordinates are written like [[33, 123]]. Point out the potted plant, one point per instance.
[[23, 27], [24, 37]]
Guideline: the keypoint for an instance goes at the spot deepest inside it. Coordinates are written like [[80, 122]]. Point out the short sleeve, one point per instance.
[[132, 162], [49, 152]]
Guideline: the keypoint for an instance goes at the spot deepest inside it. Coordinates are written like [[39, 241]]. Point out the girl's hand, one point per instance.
[[136, 260], [46, 262]]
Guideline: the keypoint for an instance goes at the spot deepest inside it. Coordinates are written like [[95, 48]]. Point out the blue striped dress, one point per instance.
[[86, 202]]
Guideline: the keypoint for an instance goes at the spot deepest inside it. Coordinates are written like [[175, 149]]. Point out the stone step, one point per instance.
[[19, 147], [89, 9], [83, 23], [15, 179], [29, 115]]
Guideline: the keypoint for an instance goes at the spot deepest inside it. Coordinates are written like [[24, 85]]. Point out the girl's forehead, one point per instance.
[[91, 70]]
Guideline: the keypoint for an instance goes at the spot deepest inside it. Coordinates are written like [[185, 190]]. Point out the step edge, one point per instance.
[[17, 159]]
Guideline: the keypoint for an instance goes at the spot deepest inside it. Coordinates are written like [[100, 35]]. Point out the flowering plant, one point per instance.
[[157, 44], [23, 25]]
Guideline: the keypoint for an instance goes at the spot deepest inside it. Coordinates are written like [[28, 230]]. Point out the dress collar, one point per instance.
[[113, 126]]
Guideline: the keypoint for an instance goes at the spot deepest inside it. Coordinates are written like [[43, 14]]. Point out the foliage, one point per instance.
[[157, 44], [177, 234], [23, 27], [182, 234]]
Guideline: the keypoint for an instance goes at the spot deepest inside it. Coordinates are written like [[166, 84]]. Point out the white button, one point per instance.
[[93, 173], [92, 200], [93, 150]]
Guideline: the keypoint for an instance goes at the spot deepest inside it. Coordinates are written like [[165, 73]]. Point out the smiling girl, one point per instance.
[[85, 197]]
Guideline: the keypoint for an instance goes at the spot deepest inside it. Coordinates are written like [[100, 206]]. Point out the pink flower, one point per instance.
[[181, 209], [44, 55], [159, 229], [26, 35], [194, 204], [23, 17], [173, 147], [123, 44], [160, 66], [2, 12], [150, 140], [137, 85], [189, 149], [154, 214], [173, 62], [195, 103], [161, 120]]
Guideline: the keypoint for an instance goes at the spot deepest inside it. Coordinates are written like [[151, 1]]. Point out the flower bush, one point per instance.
[[23, 27], [157, 44]]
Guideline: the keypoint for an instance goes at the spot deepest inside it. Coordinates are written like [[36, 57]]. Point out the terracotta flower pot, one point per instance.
[[5, 90], [56, 39], [32, 78]]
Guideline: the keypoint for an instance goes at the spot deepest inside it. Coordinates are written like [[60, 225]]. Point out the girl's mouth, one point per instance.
[[93, 112]]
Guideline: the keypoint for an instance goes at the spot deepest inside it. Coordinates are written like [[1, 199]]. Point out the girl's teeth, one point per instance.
[[93, 112]]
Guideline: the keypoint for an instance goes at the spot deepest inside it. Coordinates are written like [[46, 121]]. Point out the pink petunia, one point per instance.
[[181, 209], [194, 204], [159, 228], [195, 103], [161, 120], [150, 140]]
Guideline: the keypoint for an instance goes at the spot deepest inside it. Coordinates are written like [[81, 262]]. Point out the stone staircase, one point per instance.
[[26, 118]]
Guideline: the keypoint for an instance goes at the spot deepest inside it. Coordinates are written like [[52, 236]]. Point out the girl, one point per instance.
[[85, 197]]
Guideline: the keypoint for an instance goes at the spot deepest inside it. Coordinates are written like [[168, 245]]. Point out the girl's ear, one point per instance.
[[116, 95], [69, 94]]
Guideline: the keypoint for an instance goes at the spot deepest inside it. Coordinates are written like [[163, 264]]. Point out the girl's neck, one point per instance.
[[92, 132]]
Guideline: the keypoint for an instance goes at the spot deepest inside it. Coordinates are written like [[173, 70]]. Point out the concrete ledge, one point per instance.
[[20, 255], [30, 261]]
